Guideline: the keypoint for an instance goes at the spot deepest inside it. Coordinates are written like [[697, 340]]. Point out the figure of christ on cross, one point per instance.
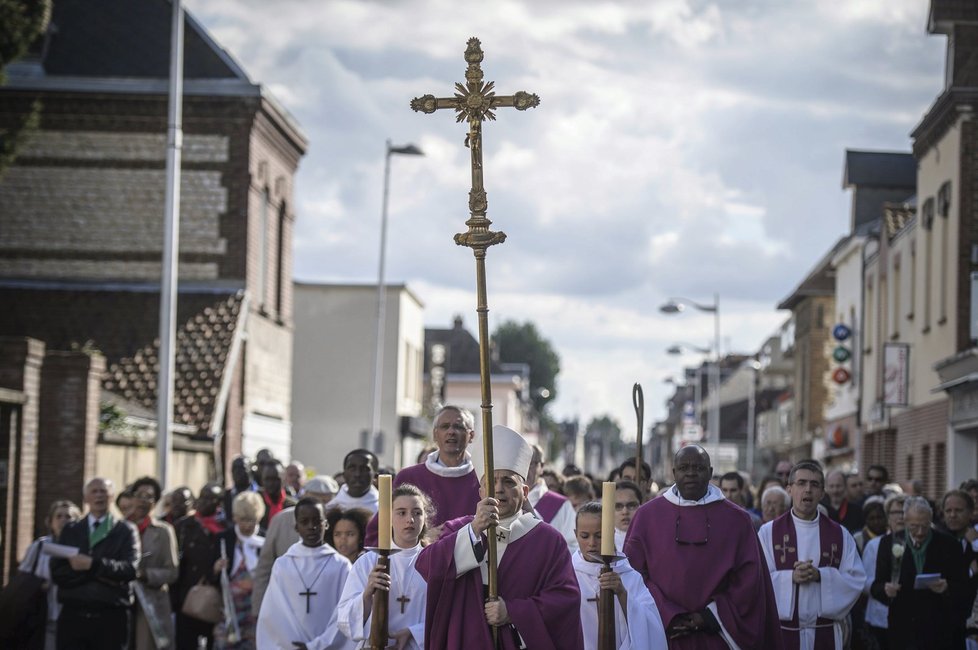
[[476, 101]]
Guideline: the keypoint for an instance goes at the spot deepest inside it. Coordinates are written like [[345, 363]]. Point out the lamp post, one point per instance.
[[407, 150], [677, 305]]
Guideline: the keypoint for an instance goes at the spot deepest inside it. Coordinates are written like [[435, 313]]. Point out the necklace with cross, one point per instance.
[[404, 600], [308, 593]]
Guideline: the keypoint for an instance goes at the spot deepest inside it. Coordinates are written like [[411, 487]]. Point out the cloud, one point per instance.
[[684, 147]]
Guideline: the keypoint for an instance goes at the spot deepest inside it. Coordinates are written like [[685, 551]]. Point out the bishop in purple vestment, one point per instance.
[[702, 563], [539, 598]]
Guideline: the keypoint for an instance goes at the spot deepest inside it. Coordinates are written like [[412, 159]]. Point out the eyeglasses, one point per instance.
[[685, 468], [803, 483], [689, 537], [145, 496], [452, 427], [630, 506]]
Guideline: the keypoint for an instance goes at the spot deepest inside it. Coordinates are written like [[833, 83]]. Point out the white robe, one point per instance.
[[877, 613], [405, 581], [832, 597], [368, 500], [565, 520], [620, 540], [283, 618], [642, 631]]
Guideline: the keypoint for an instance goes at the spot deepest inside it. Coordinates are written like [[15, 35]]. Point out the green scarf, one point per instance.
[[919, 553], [101, 531]]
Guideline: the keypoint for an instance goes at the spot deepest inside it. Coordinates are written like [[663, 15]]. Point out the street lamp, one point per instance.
[[678, 305], [407, 150]]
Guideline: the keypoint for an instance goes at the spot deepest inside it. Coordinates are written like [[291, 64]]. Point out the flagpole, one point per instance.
[[171, 249]]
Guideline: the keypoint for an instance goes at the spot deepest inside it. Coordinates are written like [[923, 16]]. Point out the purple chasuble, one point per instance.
[[690, 556], [785, 541], [549, 504], [536, 580], [453, 497]]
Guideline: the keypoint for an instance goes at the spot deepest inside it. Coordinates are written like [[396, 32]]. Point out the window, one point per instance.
[[910, 474], [940, 467], [944, 260], [927, 221], [869, 309], [924, 465], [897, 288], [262, 243], [913, 279], [280, 261]]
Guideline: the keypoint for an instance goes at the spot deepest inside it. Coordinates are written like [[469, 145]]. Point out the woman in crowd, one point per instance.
[[876, 610], [346, 531], [157, 568], [874, 516], [42, 635], [242, 545], [411, 509], [628, 497]]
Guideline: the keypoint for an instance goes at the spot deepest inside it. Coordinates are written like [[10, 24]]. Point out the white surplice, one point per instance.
[[641, 630], [368, 500], [283, 618], [406, 582], [832, 597], [565, 520], [620, 540]]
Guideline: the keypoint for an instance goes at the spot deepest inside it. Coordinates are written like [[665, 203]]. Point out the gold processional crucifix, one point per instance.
[[475, 102]]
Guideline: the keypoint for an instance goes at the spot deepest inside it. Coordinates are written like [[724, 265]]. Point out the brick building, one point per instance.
[[81, 225]]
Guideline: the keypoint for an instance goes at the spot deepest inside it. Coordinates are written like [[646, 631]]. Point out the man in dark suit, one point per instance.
[[95, 586], [922, 616]]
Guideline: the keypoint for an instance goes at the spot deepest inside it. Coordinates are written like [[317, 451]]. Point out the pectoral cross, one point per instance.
[[595, 599], [404, 600], [308, 594], [784, 548]]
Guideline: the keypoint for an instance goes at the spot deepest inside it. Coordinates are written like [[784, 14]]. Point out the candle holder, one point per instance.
[[606, 603], [380, 610]]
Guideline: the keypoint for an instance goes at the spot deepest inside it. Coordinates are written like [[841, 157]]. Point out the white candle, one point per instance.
[[608, 518], [384, 512]]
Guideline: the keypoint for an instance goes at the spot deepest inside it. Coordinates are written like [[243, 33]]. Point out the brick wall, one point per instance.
[[20, 370], [921, 434], [70, 394]]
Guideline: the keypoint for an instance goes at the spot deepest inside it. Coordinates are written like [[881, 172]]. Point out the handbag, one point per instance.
[[23, 602], [203, 602]]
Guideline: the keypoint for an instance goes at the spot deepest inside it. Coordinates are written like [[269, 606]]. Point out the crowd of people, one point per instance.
[[279, 559]]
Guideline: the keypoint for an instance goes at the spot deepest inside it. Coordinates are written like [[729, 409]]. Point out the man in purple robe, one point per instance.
[[447, 475], [553, 508], [703, 564], [539, 599]]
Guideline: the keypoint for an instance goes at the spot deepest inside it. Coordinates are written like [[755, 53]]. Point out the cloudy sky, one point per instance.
[[681, 148]]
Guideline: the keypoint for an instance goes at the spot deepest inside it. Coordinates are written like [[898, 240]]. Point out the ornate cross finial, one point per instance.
[[475, 102]]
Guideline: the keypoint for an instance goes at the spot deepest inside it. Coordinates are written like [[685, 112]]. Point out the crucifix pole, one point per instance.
[[475, 102]]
